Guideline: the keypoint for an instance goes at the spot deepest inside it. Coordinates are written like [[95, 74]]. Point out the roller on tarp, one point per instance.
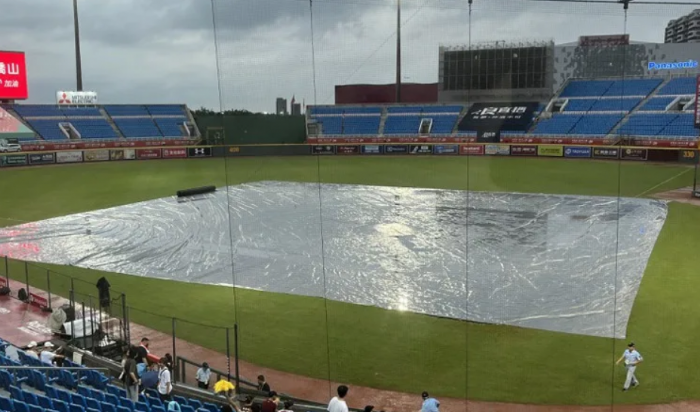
[[196, 191]]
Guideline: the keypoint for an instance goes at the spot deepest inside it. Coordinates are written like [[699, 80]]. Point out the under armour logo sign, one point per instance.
[[199, 151]]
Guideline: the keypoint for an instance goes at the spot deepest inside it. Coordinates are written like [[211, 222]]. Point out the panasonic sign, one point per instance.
[[690, 64]]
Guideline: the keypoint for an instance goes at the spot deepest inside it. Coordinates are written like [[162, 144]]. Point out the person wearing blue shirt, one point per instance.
[[632, 358], [430, 404]]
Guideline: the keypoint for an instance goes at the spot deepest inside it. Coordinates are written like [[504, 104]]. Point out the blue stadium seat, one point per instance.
[[557, 124], [657, 103], [402, 124], [195, 403], [615, 105], [143, 407], [16, 393], [108, 407], [127, 403], [19, 406], [332, 125], [186, 408], [678, 86], [112, 399], [123, 409], [60, 406], [93, 404], [647, 124], [170, 127], [166, 110], [126, 110], [5, 404], [579, 105], [94, 129], [131, 127], [78, 399], [586, 88], [34, 408], [30, 110], [361, 125], [5, 380], [444, 124], [633, 87], [44, 402], [76, 408], [48, 129], [80, 111], [28, 398]]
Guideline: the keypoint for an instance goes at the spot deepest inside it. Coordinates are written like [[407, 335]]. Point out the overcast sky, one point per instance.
[[164, 51]]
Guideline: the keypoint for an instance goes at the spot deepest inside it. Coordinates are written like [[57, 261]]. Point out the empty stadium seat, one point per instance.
[[81, 111], [48, 129], [170, 127], [586, 88], [596, 124], [657, 103], [401, 125], [579, 105], [615, 105], [166, 110], [649, 124], [135, 127], [38, 111], [633, 87], [557, 124], [94, 129], [678, 86], [126, 110]]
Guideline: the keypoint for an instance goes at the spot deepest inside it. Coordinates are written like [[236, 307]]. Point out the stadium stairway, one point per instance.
[[382, 122], [113, 125]]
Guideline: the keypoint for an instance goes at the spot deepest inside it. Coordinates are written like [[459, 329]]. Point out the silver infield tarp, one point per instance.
[[550, 262]]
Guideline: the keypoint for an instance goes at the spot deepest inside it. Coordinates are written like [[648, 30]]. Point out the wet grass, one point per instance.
[[389, 349]]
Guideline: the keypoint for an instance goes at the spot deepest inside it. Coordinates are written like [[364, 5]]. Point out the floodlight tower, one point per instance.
[[78, 62], [398, 51]]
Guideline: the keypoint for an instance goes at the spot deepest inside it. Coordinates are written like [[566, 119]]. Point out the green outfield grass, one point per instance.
[[395, 350]]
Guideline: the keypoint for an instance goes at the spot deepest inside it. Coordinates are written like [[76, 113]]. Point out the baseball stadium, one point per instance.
[[462, 205]]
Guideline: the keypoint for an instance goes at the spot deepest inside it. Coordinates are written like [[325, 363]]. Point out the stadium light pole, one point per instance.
[[78, 59], [398, 51]]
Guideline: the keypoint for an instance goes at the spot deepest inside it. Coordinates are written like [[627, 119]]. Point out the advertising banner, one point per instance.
[[322, 150], [199, 152], [13, 76], [634, 154], [348, 150], [550, 151], [517, 150], [372, 149], [606, 153], [497, 149], [446, 149], [68, 98], [13, 160], [96, 155], [499, 116], [471, 150], [177, 153], [395, 149], [69, 157], [146, 154], [44, 146], [488, 136], [42, 159], [122, 154], [577, 151], [420, 149]]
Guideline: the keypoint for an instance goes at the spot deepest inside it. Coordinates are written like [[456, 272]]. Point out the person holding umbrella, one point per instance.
[[227, 389]]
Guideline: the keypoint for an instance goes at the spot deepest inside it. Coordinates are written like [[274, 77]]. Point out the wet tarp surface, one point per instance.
[[561, 263]]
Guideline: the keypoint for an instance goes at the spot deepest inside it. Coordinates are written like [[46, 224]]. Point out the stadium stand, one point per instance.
[[56, 123], [24, 389], [645, 107]]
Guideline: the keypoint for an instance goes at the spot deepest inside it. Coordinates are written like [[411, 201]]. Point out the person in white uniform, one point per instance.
[[632, 358]]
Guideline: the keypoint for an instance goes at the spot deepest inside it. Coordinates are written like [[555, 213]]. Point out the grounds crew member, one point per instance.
[[632, 358]]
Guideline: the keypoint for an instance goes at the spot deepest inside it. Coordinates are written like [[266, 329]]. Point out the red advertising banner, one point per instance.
[[34, 147], [471, 150], [13, 76], [175, 153], [145, 154]]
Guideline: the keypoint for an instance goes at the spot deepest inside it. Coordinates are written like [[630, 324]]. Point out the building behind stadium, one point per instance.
[[532, 71]]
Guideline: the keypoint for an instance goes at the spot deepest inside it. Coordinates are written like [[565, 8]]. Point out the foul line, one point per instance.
[[664, 182]]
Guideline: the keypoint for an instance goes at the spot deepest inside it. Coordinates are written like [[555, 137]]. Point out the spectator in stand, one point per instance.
[[337, 404], [169, 362], [227, 389], [142, 352], [262, 385], [165, 386], [129, 378], [430, 404], [247, 405], [49, 357], [203, 375], [31, 350], [270, 404], [288, 406]]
